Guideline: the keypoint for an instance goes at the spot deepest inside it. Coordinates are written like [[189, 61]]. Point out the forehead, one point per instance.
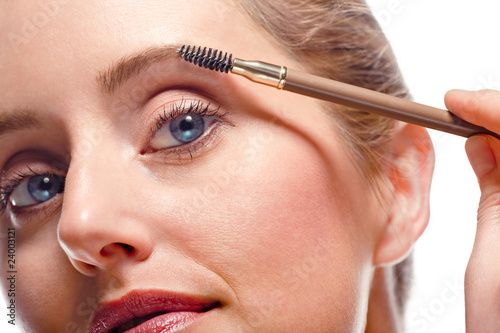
[[32, 22], [71, 40]]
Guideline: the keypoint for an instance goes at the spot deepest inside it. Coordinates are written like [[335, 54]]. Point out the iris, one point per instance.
[[44, 187], [188, 127], [36, 189]]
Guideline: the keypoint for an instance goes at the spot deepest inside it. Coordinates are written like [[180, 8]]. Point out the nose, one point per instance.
[[102, 221]]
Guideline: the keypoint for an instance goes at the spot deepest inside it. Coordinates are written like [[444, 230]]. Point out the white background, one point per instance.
[[440, 45]]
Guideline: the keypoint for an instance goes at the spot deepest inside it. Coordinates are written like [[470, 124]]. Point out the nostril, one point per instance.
[[115, 248], [128, 248]]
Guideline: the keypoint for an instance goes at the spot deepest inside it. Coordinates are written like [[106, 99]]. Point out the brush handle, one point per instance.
[[379, 103], [333, 91]]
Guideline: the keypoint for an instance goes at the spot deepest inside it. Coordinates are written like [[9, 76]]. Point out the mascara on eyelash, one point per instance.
[[6, 191], [179, 108], [329, 90]]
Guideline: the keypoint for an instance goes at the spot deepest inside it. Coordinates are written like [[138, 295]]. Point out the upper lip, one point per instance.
[[146, 304]]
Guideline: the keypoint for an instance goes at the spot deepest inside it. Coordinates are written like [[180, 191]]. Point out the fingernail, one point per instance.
[[481, 157]]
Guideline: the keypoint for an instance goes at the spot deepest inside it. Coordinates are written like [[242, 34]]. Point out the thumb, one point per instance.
[[481, 157], [482, 278]]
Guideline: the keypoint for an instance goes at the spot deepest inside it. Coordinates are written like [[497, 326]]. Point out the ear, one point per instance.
[[411, 162]]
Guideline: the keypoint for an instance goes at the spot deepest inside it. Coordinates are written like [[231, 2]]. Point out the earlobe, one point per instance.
[[411, 162]]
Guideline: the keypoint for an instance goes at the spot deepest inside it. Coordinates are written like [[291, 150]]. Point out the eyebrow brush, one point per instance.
[[333, 91]]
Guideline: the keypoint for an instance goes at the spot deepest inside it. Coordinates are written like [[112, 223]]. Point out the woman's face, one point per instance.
[[139, 184]]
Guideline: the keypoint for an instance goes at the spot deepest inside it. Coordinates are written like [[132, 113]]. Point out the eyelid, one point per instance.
[[27, 164], [175, 107], [21, 215], [178, 108], [173, 94]]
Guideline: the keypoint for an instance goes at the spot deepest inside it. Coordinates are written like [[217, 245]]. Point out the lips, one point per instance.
[[150, 311]]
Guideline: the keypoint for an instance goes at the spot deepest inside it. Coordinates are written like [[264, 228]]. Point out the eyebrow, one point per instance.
[[18, 120], [131, 65], [109, 80]]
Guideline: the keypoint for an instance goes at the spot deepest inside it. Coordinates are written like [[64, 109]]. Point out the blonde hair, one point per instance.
[[340, 39]]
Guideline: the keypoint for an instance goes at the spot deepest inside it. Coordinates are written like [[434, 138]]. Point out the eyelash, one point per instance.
[[6, 190], [179, 108]]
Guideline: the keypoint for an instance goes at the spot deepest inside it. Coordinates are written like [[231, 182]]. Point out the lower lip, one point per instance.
[[168, 323]]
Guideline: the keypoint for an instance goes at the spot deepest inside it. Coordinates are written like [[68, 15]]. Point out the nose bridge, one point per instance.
[[100, 221], [93, 176]]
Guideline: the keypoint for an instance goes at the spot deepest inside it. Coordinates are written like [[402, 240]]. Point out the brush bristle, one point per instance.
[[213, 60]]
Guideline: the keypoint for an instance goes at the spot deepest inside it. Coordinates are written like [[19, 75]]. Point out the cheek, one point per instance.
[[284, 225], [46, 285]]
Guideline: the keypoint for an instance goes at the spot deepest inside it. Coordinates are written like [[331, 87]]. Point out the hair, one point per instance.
[[341, 40]]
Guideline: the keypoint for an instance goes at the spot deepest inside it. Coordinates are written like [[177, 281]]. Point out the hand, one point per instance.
[[482, 277]]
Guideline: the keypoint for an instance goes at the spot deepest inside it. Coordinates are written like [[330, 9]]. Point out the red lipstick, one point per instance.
[[151, 311]]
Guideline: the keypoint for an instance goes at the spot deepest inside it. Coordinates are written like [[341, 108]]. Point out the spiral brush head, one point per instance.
[[213, 60], [257, 71]]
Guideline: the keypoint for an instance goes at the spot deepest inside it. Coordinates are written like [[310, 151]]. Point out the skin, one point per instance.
[[481, 277], [269, 202]]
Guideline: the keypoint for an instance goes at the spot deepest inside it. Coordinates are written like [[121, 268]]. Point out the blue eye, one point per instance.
[[187, 127], [36, 189], [181, 129]]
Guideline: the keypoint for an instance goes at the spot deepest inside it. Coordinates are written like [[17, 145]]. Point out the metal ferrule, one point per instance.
[[260, 72]]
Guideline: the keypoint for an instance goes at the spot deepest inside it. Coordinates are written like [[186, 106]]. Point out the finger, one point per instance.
[[478, 107], [482, 278]]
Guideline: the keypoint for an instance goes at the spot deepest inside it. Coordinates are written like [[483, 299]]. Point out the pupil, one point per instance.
[[187, 128], [45, 185], [186, 124], [42, 188]]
